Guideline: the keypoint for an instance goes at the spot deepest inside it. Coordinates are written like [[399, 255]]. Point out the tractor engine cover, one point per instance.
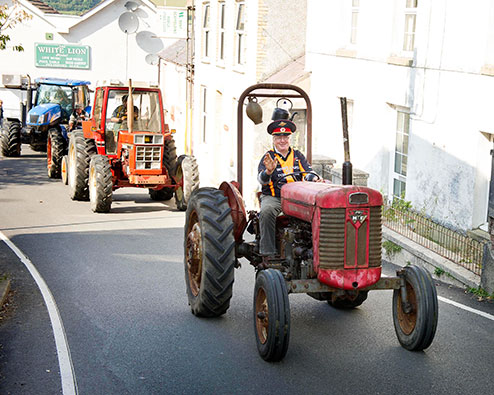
[[346, 230]]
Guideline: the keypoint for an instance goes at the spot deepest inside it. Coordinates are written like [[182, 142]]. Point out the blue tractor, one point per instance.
[[44, 120]]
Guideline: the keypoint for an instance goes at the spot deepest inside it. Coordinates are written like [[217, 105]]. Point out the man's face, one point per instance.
[[281, 143]]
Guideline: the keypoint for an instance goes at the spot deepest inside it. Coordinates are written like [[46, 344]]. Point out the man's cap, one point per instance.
[[282, 127], [78, 106]]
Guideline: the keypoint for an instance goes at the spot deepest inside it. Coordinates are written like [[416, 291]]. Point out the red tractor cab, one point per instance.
[[329, 239], [127, 143]]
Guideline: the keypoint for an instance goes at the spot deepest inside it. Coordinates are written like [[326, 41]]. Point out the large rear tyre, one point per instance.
[[349, 301], [416, 327], [78, 166], [10, 139], [271, 315], [187, 176], [209, 253], [55, 149], [100, 184]]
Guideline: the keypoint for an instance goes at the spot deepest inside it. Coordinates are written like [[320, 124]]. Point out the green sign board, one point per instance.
[[61, 56]]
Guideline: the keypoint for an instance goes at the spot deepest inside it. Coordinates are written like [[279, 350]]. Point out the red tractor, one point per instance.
[[127, 143], [329, 242]]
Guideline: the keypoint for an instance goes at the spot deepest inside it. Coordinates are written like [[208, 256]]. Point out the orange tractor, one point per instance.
[[127, 143], [329, 240]]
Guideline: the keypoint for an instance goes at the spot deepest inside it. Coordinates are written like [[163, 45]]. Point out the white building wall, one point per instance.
[[271, 45], [448, 97], [114, 55]]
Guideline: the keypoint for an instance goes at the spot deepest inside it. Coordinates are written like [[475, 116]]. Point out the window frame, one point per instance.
[[204, 113], [354, 14], [206, 30], [240, 34], [402, 140], [409, 35], [220, 52]]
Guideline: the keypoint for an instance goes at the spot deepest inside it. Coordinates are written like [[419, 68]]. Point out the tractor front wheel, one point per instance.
[[187, 176], [416, 322], [78, 166], [100, 184], [10, 139], [64, 170], [55, 149], [209, 256], [271, 315]]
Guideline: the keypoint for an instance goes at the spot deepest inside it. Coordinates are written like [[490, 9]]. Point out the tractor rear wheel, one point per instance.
[[78, 166], [10, 139], [187, 175], [209, 256], [348, 301], [64, 170], [100, 184], [55, 149], [271, 315], [415, 327]]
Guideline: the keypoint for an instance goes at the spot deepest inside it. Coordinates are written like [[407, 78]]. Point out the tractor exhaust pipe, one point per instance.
[[346, 172]]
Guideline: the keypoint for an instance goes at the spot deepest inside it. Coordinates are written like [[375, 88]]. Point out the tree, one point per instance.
[[9, 17]]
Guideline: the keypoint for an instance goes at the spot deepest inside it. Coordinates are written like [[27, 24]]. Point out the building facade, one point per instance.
[[419, 90], [237, 44]]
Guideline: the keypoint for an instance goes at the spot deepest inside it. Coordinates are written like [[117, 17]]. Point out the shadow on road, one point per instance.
[[28, 169]]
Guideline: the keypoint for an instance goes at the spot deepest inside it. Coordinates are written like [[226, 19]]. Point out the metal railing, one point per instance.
[[450, 244]]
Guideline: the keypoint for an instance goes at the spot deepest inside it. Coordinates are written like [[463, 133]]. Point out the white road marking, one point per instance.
[[462, 306], [69, 384]]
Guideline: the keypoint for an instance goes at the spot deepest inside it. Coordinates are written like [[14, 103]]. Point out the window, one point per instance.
[[240, 34], [204, 113], [353, 30], [205, 31], [221, 31], [410, 21], [98, 107], [401, 154]]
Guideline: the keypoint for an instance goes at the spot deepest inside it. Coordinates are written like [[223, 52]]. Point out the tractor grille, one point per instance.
[[148, 157], [33, 118], [332, 239]]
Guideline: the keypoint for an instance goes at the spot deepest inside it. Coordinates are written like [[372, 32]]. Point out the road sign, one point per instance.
[[174, 22], [62, 56]]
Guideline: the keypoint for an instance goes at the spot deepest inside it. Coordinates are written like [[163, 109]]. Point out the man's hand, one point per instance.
[[270, 163]]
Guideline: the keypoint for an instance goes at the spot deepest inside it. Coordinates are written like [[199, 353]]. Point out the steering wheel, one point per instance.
[[297, 175]]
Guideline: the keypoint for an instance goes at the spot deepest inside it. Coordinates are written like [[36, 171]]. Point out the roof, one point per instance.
[[292, 73], [61, 81], [175, 53], [43, 7]]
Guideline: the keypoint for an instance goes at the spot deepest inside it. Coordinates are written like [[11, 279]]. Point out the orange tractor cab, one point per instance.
[[127, 143], [329, 240]]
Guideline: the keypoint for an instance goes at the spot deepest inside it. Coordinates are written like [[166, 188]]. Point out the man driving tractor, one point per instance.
[[120, 113], [273, 169]]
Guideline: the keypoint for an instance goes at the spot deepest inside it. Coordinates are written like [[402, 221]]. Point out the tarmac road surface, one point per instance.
[[117, 281]]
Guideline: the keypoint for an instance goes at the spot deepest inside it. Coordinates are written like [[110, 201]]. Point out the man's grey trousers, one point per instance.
[[270, 208]]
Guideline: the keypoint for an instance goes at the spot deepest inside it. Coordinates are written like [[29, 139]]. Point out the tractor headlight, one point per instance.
[[43, 118], [139, 139]]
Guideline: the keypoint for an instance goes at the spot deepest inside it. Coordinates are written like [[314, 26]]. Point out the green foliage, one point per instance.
[[391, 248], [74, 7], [481, 293], [439, 272], [9, 17]]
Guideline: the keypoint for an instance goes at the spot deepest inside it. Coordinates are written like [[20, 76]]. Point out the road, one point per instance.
[[117, 281]]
